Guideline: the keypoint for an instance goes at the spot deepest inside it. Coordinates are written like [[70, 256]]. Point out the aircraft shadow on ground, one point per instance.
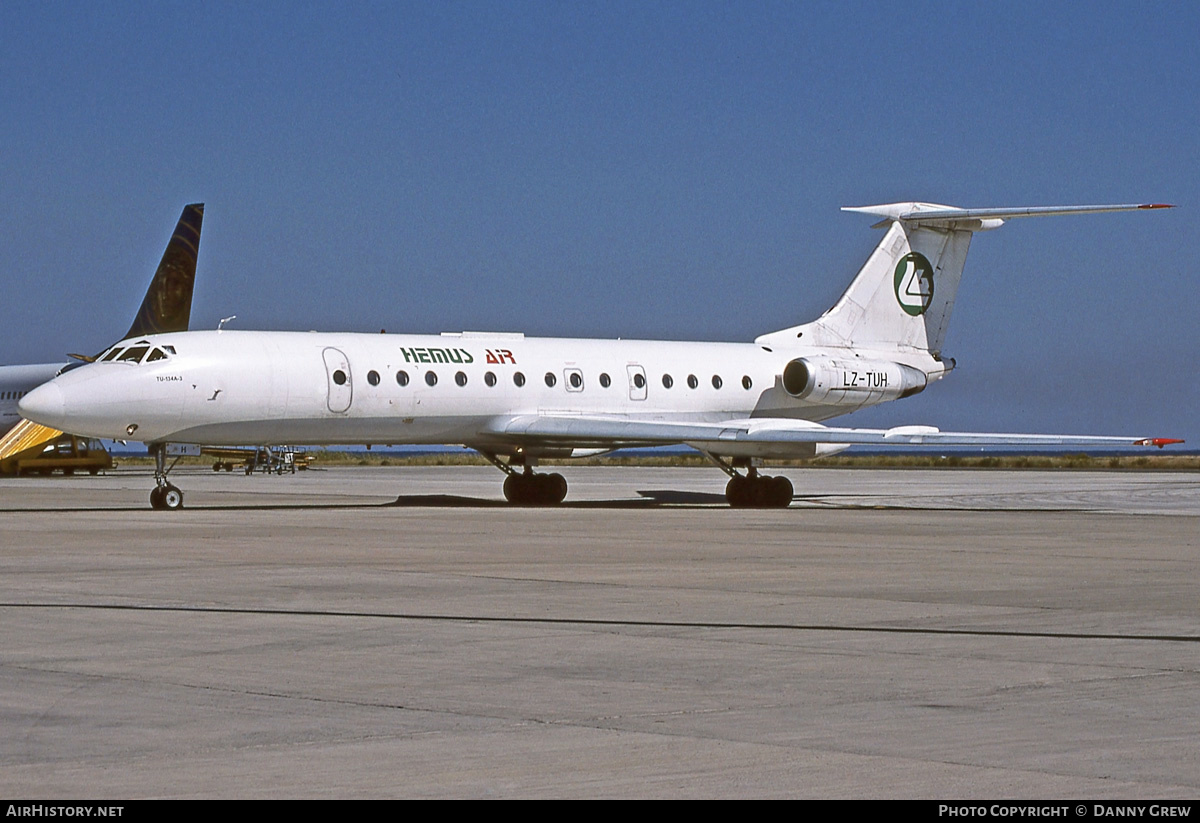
[[647, 499]]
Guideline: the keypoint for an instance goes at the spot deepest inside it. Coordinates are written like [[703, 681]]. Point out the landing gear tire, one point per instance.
[[168, 498], [535, 489], [737, 491], [783, 492], [556, 488], [759, 492], [513, 488]]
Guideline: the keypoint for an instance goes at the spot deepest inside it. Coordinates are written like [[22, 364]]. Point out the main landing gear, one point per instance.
[[525, 487], [164, 495], [529, 489], [753, 490], [758, 491]]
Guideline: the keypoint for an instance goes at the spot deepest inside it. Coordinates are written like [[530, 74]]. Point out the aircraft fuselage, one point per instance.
[[249, 388]]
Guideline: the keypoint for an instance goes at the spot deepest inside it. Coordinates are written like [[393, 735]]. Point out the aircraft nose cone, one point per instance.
[[43, 405]]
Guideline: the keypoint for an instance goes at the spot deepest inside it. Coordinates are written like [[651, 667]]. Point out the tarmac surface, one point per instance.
[[401, 632]]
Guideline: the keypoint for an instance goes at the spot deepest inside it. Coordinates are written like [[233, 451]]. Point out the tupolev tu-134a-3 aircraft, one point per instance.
[[518, 399]]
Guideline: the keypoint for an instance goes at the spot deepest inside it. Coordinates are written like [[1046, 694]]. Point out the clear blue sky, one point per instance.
[[612, 169]]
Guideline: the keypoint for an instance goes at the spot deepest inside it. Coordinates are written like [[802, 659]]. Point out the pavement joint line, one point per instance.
[[584, 621]]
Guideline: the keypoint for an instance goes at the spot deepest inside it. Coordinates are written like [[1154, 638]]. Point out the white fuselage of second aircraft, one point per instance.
[[249, 388], [16, 382]]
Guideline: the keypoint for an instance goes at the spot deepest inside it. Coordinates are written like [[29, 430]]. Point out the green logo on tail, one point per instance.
[[914, 283]]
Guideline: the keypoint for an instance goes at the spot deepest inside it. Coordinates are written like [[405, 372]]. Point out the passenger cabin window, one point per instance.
[[490, 379], [605, 380], [716, 381], [692, 381], [339, 377], [551, 379], [373, 377], [576, 380], [747, 382], [518, 379], [431, 378], [402, 378], [639, 380], [668, 381], [461, 378]]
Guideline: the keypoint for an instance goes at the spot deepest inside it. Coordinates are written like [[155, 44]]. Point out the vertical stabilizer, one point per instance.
[[167, 306], [904, 294], [902, 297]]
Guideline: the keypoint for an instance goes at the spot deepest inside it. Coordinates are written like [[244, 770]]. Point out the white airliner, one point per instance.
[[516, 399]]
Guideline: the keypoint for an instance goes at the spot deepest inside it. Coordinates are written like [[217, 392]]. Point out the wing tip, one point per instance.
[[1158, 441]]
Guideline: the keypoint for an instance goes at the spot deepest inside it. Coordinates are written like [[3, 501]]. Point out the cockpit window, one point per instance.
[[134, 353], [113, 352], [169, 349], [156, 354]]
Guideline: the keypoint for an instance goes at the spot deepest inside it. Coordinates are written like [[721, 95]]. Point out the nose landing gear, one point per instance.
[[164, 495]]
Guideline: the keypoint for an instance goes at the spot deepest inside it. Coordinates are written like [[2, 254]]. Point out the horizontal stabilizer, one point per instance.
[[932, 212]]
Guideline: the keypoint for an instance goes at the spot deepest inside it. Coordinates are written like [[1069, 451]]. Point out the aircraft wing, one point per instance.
[[584, 431]]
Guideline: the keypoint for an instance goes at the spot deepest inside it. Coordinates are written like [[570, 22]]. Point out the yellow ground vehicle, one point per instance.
[[66, 453]]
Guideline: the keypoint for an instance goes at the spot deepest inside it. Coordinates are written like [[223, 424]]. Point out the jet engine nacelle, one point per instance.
[[825, 381]]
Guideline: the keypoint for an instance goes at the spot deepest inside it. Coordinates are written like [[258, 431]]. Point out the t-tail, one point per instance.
[[902, 298], [167, 306]]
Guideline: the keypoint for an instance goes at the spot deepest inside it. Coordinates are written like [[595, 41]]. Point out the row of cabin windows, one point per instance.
[[574, 378]]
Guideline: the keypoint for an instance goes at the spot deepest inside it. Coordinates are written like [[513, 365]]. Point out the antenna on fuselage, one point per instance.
[[225, 320]]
